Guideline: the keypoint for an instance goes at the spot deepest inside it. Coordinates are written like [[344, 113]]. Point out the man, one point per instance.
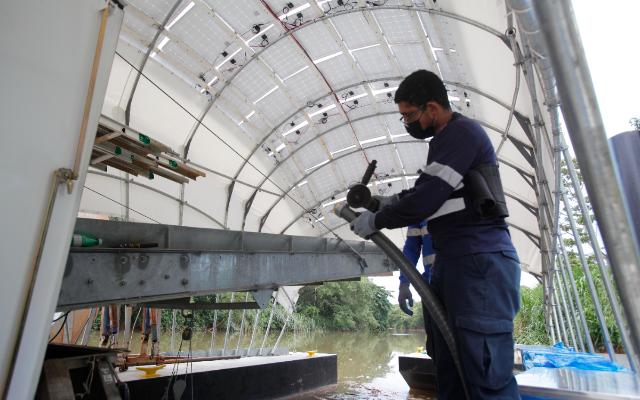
[[476, 273], [418, 241]]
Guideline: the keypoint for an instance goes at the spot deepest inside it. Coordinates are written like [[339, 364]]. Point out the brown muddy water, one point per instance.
[[367, 361]]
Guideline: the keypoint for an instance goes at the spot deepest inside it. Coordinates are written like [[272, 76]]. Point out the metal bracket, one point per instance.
[[66, 176], [262, 297]]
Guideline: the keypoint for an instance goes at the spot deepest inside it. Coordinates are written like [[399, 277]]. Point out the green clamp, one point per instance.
[[144, 139], [151, 176], [173, 164], [118, 150]]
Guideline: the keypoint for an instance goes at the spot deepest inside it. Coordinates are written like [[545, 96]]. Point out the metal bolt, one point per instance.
[[185, 258], [142, 282], [143, 258], [167, 276], [185, 281], [123, 260], [90, 281], [123, 283]]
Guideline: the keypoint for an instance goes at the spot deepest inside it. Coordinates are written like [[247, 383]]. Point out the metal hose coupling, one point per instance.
[[429, 298]]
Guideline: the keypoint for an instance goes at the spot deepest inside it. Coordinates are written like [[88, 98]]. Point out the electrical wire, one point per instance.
[[122, 205], [225, 143], [61, 326]]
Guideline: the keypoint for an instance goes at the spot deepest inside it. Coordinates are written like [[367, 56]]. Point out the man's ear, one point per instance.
[[433, 108]]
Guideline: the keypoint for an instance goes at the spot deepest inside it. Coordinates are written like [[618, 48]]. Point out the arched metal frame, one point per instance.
[[546, 216]]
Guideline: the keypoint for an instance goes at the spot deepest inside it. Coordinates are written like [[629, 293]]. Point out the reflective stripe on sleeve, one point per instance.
[[413, 232], [428, 259], [449, 206], [444, 172], [424, 231]]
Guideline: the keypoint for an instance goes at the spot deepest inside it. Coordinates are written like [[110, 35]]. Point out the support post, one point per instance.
[[266, 333], [213, 331], [126, 340], [226, 337], [244, 313], [253, 335], [583, 319], [586, 128], [565, 285], [587, 274], [173, 332], [559, 313], [87, 331]]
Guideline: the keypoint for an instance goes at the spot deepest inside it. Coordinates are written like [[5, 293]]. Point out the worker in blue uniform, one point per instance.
[[418, 242], [476, 273]]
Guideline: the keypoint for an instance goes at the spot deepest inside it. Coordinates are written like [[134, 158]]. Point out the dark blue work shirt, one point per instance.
[[440, 198]]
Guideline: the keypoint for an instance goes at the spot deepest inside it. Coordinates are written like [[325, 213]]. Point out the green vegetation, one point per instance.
[[635, 123]]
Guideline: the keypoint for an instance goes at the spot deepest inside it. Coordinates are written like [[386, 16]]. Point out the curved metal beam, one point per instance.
[[184, 203], [152, 45], [460, 18], [467, 87]]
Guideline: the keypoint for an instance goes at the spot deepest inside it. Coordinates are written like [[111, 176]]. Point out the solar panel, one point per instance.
[[338, 72], [317, 41], [396, 25], [374, 63], [354, 30], [157, 9], [139, 26]]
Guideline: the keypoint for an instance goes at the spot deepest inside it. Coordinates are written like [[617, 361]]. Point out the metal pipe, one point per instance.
[[559, 312], [173, 332], [244, 313], [511, 35], [284, 328], [215, 322], [587, 274], [611, 294], [92, 86], [268, 327], [253, 335], [429, 298], [565, 286], [152, 45], [226, 337], [586, 128], [583, 319], [554, 313]]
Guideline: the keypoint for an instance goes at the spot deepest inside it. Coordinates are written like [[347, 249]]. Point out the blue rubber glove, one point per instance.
[[386, 200], [405, 294], [364, 226]]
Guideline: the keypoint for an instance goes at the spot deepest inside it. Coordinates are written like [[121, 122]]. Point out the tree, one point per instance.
[[635, 123]]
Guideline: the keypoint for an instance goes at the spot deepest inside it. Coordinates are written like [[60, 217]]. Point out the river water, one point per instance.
[[367, 361]]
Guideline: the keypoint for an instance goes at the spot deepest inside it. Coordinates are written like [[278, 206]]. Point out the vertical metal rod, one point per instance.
[[565, 307], [587, 274], [244, 313], [266, 333], [555, 330], [181, 205], [226, 337], [559, 313], [606, 280], [565, 285], [584, 122], [126, 198], [583, 319], [213, 332], [126, 340], [253, 335], [173, 333]]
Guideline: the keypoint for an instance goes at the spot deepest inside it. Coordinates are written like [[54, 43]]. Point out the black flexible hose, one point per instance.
[[429, 298]]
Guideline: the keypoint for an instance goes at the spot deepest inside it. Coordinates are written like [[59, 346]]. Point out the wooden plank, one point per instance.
[[108, 136], [169, 175]]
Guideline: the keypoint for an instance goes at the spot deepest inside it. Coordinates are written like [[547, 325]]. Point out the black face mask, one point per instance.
[[415, 129]]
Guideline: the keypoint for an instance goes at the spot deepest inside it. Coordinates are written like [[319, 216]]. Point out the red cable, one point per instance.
[[318, 69]]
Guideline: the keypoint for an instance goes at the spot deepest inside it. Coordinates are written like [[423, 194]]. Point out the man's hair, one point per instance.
[[421, 87]]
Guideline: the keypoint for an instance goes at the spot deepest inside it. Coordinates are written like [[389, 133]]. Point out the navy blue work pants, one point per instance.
[[481, 293]]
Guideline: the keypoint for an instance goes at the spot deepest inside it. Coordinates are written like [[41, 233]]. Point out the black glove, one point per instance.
[[403, 296]]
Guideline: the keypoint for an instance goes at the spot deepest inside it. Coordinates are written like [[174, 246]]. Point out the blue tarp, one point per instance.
[[559, 356]]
